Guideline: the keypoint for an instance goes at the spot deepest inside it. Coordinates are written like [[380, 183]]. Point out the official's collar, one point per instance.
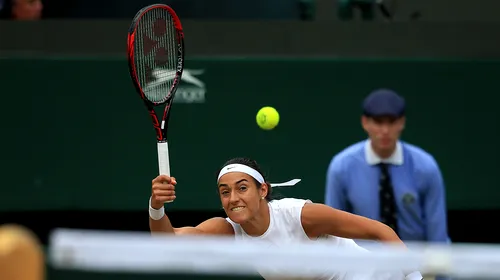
[[372, 158]]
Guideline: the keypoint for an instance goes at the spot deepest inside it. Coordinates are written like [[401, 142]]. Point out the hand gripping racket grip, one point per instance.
[[163, 160]]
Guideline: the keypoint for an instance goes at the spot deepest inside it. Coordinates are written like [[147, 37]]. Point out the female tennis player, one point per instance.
[[252, 214]]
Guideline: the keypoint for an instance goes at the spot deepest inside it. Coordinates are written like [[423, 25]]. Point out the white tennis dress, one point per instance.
[[286, 228]]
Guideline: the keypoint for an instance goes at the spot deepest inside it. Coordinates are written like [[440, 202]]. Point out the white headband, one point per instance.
[[254, 173]]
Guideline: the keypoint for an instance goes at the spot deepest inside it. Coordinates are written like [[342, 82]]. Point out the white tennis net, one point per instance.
[[140, 252]]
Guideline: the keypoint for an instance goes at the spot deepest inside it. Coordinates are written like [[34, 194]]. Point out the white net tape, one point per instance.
[[141, 252]]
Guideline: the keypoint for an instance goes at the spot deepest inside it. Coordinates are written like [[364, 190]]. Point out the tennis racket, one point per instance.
[[156, 61]]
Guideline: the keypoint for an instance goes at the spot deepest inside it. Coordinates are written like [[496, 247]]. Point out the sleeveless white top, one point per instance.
[[285, 227]]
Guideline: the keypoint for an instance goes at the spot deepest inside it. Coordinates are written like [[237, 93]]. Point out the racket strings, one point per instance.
[[156, 54]]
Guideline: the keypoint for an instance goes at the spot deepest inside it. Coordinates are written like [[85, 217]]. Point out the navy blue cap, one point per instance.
[[384, 102]]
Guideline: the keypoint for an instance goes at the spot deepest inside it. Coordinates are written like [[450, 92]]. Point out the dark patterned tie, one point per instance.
[[388, 210]]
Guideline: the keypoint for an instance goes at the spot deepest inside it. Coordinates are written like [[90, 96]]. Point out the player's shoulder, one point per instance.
[[348, 155], [420, 158], [288, 203]]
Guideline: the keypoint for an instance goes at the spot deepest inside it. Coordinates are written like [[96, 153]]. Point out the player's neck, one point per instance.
[[259, 224]]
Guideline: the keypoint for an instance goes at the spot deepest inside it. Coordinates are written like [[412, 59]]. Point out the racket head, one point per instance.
[[155, 48]]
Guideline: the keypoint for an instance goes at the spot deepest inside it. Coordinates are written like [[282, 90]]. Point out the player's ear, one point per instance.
[[263, 190]]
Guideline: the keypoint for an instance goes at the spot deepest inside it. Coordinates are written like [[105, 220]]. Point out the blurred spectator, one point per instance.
[[21, 9], [386, 179]]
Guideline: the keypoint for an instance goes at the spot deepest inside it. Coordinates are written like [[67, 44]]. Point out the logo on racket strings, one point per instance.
[[191, 90]]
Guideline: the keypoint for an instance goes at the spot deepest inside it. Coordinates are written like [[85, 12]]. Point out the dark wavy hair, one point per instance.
[[253, 164]]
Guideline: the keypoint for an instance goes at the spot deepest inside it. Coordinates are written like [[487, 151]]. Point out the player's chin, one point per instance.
[[238, 217]]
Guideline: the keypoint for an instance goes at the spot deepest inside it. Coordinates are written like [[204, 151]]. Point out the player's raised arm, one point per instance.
[[163, 190]]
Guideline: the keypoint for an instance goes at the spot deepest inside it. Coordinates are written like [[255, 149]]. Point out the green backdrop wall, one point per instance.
[[76, 135]]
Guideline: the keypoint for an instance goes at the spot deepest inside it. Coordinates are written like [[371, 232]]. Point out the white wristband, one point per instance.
[[156, 214]]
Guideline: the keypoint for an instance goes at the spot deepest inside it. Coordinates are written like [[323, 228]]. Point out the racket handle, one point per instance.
[[163, 159]]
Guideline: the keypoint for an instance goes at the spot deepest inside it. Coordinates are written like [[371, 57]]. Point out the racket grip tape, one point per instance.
[[163, 159]]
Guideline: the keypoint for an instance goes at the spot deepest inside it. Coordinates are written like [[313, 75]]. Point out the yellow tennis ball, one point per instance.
[[268, 118]]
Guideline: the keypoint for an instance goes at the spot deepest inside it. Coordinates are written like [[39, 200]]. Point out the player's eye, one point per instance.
[[225, 192], [243, 188]]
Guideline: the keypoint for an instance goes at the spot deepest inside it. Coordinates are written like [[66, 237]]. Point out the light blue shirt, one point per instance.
[[353, 186]]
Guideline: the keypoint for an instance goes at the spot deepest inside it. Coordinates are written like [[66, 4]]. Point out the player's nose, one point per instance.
[[234, 198]]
